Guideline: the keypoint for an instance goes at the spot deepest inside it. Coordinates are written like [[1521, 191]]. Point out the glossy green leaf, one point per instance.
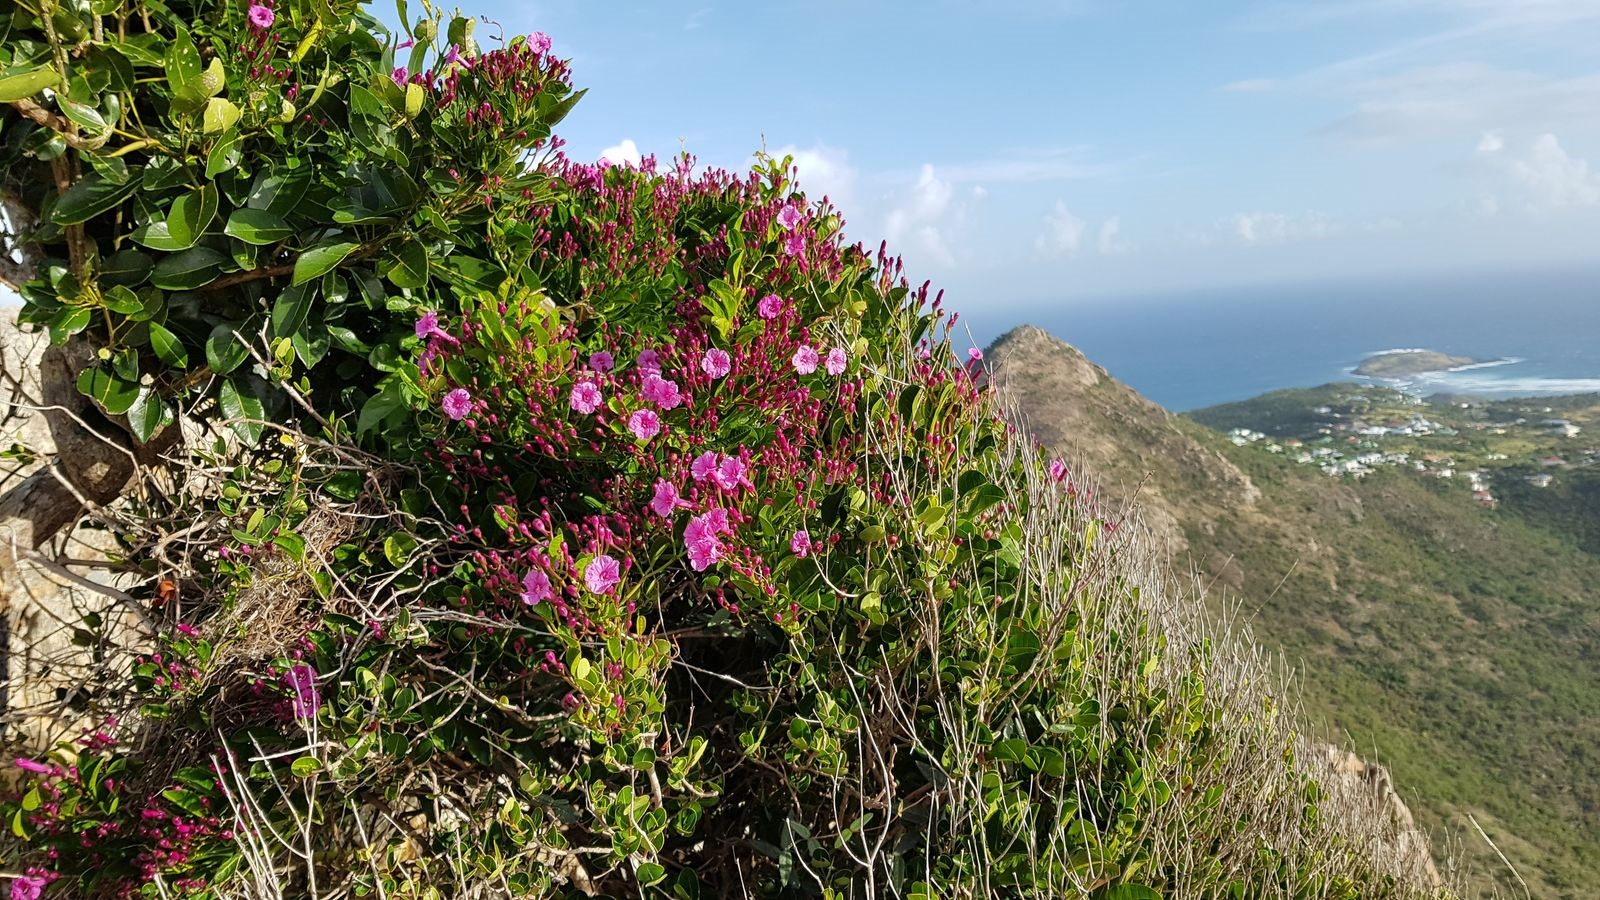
[[290, 309], [114, 394], [167, 346], [22, 83], [193, 268], [190, 216], [148, 415], [257, 226], [243, 409], [224, 351], [321, 258], [120, 299], [407, 267], [89, 198]]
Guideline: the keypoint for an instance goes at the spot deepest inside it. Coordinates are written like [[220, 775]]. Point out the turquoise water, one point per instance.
[[1541, 330]]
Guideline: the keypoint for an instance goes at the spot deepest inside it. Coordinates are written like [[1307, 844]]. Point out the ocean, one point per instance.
[[1540, 332]]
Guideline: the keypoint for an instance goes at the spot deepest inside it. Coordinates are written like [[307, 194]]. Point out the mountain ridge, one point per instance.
[[1436, 631]]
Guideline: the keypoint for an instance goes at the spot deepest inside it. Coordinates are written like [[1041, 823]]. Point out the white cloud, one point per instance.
[[1110, 242], [1250, 85], [823, 171], [1257, 229], [1543, 178], [1063, 232], [926, 219], [625, 153]]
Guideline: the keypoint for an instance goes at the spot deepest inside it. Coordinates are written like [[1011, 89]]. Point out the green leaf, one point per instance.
[[290, 310], [321, 258], [398, 547], [182, 60], [407, 267], [244, 409], [224, 351], [129, 267], [280, 192], [113, 394], [305, 767], [84, 114], [196, 267], [257, 226], [225, 155], [20, 83], [167, 346], [651, 873], [219, 116], [122, 300], [89, 198], [190, 216], [67, 323], [148, 415]]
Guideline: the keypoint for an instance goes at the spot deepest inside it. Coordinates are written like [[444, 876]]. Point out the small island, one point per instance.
[[1404, 363]]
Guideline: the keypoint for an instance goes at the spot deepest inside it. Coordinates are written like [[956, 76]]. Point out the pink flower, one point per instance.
[[1058, 470], [28, 765], [800, 544], [539, 41], [31, 887], [704, 466], [302, 680], [974, 354], [837, 361], [406, 44], [666, 501], [718, 519], [585, 397], [789, 217], [805, 360], [601, 361], [400, 76], [700, 539], [644, 424], [428, 326], [453, 55], [457, 404], [716, 363], [731, 473], [770, 307], [661, 391], [649, 361], [262, 16], [536, 587], [795, 244], [602, 574]]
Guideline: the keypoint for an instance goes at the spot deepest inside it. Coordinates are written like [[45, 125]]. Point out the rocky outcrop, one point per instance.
[[1137, 452], [59, 606], [1349, 779]]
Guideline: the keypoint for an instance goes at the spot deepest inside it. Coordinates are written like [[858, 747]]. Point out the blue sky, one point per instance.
[[1025, 152]]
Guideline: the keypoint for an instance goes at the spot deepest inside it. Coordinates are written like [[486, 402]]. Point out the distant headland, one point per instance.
[[1405, 363]]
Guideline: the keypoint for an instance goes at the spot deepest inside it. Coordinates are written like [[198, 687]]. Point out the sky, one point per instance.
[[1025, 152]]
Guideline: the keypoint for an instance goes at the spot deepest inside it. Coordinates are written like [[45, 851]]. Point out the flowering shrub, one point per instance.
[[625, 531]]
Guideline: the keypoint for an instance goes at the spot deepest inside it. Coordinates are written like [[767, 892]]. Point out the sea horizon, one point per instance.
[[1532, 333]]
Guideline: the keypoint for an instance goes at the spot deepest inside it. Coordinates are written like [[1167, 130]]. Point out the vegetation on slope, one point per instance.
[[539, 528], [1436, 633]]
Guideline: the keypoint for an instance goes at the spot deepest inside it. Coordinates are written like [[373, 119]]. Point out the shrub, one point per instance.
[[563, 528]]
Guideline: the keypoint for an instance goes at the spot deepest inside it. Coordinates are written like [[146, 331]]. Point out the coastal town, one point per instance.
[[1351, 431]]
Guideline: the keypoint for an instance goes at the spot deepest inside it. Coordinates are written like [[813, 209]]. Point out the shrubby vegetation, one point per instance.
[[534, 527]]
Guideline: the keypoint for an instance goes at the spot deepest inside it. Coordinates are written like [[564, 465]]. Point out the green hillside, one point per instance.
[[1450, 638]]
